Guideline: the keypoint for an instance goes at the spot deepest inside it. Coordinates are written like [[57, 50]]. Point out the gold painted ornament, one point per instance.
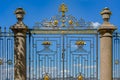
[[80, 43], [1, 61], [46, 43], [80, 77], [46, 77], [56, 22], [70, 22]]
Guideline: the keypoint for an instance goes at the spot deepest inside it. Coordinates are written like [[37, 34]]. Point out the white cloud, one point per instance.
[[95, 24]]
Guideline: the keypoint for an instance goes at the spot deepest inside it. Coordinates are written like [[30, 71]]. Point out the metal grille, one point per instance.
[[6, 55], [62, 58], [116, 56]]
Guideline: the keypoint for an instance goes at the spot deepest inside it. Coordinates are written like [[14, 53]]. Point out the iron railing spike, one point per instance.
[[0, 29], [4, 29]]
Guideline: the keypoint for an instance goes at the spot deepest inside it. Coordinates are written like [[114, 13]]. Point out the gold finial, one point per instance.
[[46, 77], [80, 77], [70, 22], [55, 22], [106, 14], [63, 8]]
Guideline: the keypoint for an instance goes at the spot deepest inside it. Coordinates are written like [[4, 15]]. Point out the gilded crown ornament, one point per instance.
[[46, 43], [63, 8], [80, 43]]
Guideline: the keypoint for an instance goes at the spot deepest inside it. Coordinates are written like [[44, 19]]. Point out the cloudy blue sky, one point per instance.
[[37, 10]]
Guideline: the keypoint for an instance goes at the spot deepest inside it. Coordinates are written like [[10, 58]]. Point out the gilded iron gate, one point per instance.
[[62, 48], [63, 54]]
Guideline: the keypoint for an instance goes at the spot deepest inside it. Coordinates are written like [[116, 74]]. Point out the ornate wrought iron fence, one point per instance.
[[6, 55], [116, 56], [62, 48], [57, 54], [62, 54]]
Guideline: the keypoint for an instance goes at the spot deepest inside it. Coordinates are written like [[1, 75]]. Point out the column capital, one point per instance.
[[19, 26], [106, 27]]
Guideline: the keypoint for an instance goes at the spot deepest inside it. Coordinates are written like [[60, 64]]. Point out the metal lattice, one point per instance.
[[116, 56], [6, 55], [63, 56], [61, 48]]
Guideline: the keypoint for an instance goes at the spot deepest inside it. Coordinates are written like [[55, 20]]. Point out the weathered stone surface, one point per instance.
[[106, 30], [20, 30]]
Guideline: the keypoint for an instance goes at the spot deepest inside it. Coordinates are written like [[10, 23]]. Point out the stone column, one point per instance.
[[106, 30], [20, 30]]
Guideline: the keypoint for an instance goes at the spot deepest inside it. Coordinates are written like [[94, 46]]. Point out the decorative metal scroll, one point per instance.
[[63, 47], [62, 57], [63, 22]]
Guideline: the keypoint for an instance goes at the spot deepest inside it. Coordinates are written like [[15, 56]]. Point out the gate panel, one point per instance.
[[45, 57], [6, 55], [81, 59], [60, 56]]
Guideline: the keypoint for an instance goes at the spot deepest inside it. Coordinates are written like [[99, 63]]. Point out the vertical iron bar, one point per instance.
[[2, 54], [32, 76], [12, 54], [7, 57], [113, 56], [87, 65], [119, 58], [90, 61], [96, 56], [84, 68], [116, 58], [63, 55], [29, 54]]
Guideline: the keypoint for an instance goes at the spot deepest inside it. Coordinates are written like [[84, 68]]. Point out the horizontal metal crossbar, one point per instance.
[[67, 31]]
